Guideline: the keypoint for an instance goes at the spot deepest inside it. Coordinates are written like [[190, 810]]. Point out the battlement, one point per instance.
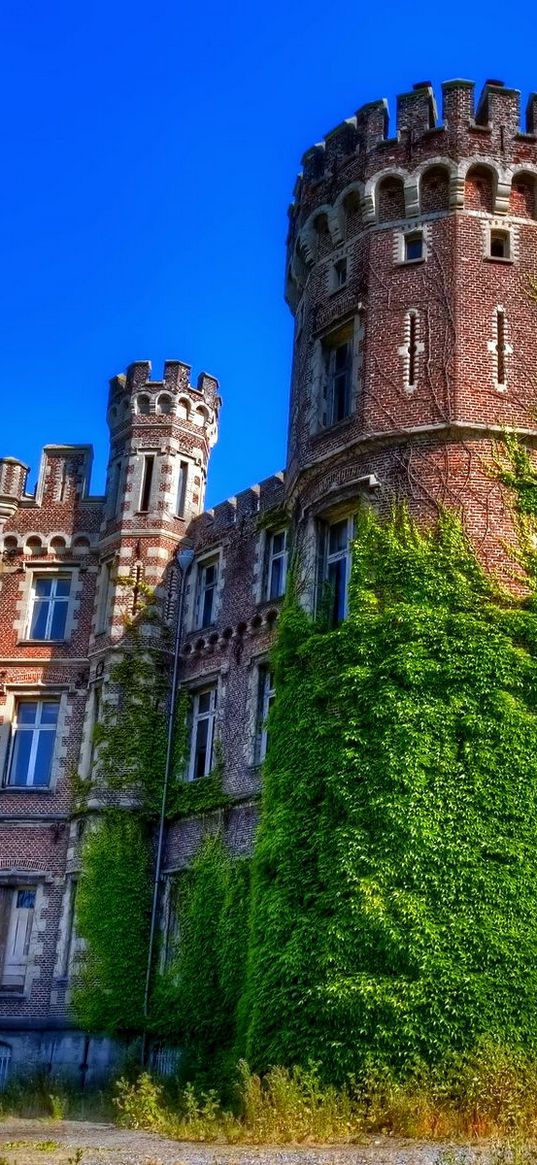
[[365, 143], [135, 391]]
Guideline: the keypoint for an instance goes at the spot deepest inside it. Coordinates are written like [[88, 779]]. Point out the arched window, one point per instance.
[[390, 199], [522, 201], [434, 190], [479, 189], [164, 404], [142, 405]]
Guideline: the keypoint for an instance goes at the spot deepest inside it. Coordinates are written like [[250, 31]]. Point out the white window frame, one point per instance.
[[202, 566], [36, 729], [415, 236], [273, 556], [266, 697], [63, 600], [196, 719], [331, 559], [330, 376]]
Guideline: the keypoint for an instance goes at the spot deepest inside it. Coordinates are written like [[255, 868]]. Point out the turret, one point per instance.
[[13, 476], [161, 434]]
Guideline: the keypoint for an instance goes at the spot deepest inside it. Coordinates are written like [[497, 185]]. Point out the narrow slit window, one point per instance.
[[500, 347], [412, 349], [182, 481], [147, 481]]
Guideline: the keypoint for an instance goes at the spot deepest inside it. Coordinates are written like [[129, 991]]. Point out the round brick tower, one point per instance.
[[409, 269]]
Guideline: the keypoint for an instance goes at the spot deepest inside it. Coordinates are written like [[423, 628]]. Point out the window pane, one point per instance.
[[201, 759], [278, 542], [207, 611], [337, 578], [49, 712], [59, 616], [338, 537], [276, 579], [38, 627], [63, 586], [27, 713], [209, 576], [20, 762], [43, 586], [43, 760], [341, 357], [26, 899], [204, 702]]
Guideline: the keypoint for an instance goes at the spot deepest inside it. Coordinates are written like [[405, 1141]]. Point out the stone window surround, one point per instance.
[[355, 322], [25, 603], [17, 879], [14, 693], [212, 679], [190, 616]]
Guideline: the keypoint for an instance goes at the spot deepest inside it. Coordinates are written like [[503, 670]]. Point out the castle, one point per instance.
[[410, 273]]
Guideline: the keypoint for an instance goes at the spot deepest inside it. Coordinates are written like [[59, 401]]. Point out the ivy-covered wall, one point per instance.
[[394, 913]]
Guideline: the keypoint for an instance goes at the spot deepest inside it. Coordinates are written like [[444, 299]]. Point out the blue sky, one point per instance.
[[149, 155]]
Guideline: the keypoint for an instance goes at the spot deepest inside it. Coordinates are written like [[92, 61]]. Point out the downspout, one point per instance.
[[183, 560]]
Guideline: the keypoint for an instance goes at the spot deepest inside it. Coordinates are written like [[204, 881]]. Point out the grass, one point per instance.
[[490, 1096]]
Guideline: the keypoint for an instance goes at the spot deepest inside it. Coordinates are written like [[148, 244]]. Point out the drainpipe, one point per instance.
[[183, 560]]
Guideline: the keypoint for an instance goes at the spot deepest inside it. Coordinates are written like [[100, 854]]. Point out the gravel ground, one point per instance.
[[47, 1142]]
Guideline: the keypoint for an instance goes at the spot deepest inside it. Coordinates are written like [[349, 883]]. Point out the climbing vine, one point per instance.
[[196, 998], [394, 915], [112, 918]]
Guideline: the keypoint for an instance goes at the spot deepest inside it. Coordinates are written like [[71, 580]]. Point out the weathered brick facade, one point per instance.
[[409, 271]]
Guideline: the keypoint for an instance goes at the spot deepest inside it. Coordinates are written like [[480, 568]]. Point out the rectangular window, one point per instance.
[[413, 247], [337, 565], [19, 930], [202, 740], [32, 745], [206, 596], [339, 274], [276, 564], [266, 696], [116, 487], [182, 482], [337, 382], [147, 481], [500, 245], [50, 600]]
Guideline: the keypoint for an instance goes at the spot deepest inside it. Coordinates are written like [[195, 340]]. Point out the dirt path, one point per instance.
[[47, 1142]]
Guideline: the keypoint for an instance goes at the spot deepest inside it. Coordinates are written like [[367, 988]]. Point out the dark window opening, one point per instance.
[[147, 480], [412, 350], [501, 347], [499, 245], [413, 247]]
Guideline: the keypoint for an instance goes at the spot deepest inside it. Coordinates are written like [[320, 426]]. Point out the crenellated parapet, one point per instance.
[[134, 395], [340, 190]]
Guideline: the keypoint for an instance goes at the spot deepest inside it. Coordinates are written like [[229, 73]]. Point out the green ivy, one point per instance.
[[394, 915], [113, 906], [196, 999]]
